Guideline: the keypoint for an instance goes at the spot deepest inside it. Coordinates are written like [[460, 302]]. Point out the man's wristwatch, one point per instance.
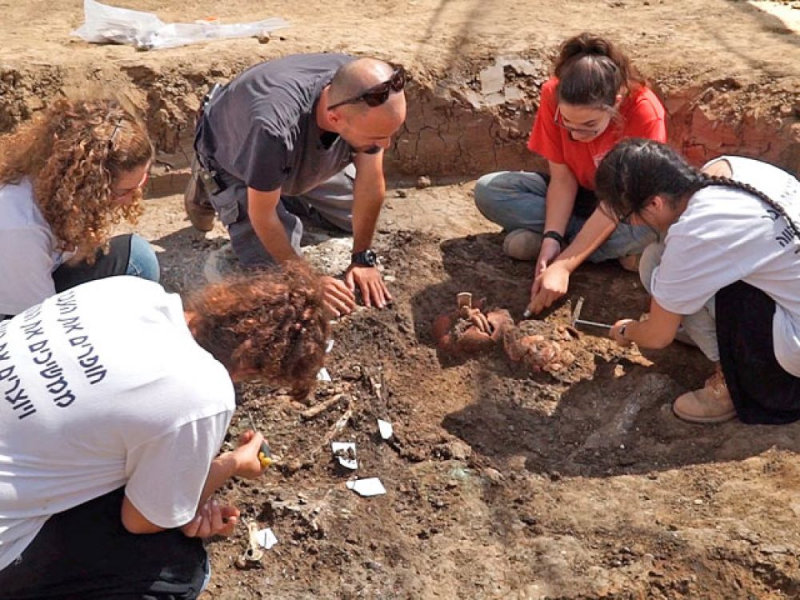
[[365, 258]]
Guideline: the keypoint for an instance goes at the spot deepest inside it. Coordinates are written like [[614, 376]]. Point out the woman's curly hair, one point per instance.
[[272, 322], [73, 152]]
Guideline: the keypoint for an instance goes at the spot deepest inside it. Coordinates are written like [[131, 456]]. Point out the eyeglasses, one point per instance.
[[582, 131], [139, 186], [378, 94]]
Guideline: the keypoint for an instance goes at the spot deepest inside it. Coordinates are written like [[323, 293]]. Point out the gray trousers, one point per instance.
[[330, 203]]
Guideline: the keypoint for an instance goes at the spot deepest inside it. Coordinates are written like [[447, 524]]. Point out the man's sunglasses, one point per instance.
[[378, 94]]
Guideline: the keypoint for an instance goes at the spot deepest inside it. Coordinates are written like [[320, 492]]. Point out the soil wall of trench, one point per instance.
[[459, 125]]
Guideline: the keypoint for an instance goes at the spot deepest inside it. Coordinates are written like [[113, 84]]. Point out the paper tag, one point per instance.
[[385, 429], [266, 539], [345, 453], [323, 375], [371, 486]]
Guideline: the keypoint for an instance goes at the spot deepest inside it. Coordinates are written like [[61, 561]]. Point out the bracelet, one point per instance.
[[554, 235]]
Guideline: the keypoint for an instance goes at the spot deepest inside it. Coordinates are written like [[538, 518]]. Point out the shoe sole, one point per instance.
[[704, 420], [201, 222]]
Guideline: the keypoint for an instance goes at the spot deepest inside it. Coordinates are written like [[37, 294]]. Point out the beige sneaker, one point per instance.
[[195, 202], [711, 404], [522, 244], [630, 262]]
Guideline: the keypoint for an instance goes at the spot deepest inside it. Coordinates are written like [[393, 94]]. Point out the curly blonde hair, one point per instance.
[[271, 322], [73, 152]]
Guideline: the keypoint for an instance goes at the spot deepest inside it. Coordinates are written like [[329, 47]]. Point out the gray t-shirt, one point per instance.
[[262, 129]]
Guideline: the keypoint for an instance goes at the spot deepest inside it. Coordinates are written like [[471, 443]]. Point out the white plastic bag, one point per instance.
[[144, 30]]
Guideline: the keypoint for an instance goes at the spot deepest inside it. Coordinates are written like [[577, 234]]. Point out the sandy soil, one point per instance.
[[500, 483]]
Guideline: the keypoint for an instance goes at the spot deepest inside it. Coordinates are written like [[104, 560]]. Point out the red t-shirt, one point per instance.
[[642, 116]]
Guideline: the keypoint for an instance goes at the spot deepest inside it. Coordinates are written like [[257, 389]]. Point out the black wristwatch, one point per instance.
[[365, 258]]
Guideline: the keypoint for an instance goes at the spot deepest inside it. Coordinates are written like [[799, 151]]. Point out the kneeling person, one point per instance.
[[66, 177], [728, 271], [118, 400], [278, 141]]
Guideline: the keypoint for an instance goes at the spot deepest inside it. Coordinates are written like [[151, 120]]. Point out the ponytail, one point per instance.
[[591, 71]]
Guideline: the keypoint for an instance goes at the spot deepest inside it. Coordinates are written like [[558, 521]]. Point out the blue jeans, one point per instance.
[[128, 254], [516, 200], [142, 261]]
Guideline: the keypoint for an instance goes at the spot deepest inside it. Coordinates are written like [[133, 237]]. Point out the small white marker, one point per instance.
[[323, 375], [370, 486], [343, 450], [266, 539], [329, 347], [385, 429]]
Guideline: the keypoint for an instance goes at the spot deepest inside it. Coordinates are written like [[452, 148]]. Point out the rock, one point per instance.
[[456, 450], [423, 181], [493, 475]]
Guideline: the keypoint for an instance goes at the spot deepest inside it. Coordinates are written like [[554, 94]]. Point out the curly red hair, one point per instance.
[[73, 152], [272, 323]]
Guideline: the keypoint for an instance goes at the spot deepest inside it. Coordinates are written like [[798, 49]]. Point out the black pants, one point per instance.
[[105, 265], [761, 390], [86, 554]]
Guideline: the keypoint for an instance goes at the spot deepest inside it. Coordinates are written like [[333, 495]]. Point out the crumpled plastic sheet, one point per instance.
[[105, 24]]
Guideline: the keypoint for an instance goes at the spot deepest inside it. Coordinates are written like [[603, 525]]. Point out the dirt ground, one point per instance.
[[499, 483]]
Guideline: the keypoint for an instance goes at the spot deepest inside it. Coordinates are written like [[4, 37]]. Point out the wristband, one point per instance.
[[554, 235]]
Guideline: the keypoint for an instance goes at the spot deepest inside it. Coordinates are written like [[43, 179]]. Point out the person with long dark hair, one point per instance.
[[728, 270], [595, 98]]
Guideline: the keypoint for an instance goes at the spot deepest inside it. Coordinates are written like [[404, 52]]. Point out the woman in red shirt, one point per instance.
[[595, 99]]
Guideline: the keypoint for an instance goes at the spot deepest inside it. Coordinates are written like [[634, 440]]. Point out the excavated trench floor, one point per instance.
[[500, 483]]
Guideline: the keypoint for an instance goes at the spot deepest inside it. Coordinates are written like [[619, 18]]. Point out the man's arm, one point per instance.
[[262, 208], [369, 190]]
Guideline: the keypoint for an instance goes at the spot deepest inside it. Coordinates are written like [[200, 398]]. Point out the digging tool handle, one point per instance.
[[264, 453], [593, 324]]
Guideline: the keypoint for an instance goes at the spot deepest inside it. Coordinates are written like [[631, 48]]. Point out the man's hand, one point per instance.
[[339, 299], [548, 252], [369, 281], [212, 518], [548, 287]]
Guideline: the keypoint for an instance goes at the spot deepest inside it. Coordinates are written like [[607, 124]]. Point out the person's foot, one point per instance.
[[522, 244], [711, 404], [200, 212], [630, 262]]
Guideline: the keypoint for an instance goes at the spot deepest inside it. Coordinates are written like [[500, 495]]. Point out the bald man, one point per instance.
[[300, 135]]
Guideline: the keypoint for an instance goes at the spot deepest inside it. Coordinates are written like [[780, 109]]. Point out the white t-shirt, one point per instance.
[[103, 386], [726, 235], [28, 254]]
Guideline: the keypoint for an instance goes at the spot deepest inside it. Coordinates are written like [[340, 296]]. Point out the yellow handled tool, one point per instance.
[[264, 453]]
